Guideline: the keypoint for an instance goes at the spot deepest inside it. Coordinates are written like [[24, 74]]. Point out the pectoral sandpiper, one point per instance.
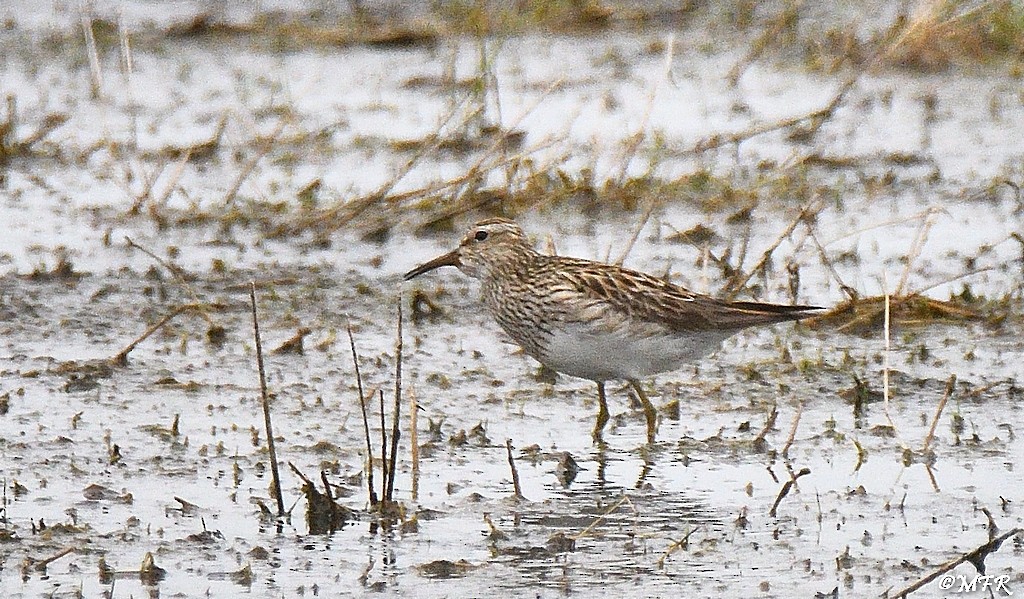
[[597, 321]]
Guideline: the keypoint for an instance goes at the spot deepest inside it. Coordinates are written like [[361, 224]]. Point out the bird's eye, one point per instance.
[[480, 235]]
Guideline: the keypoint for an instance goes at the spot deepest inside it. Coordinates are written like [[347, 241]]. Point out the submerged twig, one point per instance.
[[366, 421], [265, 396]]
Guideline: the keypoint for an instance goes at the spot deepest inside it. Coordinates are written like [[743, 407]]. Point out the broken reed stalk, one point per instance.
[[515, 473], [414, 441], [792, 430], [40, 566], [121, 359], [366, 420], [950, 385], [395, 432], [976, 558], [383, 450], [265, 396], [786, 488]]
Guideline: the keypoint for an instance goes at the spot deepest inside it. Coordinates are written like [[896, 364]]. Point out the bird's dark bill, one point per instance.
[[449, 259]]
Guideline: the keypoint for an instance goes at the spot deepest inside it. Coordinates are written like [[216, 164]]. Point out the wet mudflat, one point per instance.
[[322, 171]]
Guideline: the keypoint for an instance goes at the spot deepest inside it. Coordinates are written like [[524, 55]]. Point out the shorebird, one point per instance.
[[597, 321]]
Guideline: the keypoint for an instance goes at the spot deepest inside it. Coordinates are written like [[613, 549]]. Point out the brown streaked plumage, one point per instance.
[[593, 320]]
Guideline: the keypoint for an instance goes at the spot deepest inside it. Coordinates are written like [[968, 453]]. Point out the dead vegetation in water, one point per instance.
[[930, 36]]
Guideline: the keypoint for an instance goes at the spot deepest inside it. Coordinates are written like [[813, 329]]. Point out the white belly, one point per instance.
[[614, 355]]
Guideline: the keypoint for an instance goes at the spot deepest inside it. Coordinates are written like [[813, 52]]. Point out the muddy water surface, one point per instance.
[[166, 455]]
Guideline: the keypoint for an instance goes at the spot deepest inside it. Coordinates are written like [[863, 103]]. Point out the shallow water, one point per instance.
[[863, 519]]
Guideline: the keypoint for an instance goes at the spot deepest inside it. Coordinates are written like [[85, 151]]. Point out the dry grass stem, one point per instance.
[[886, 350], [636, 233], [95, 74], [677, 545], [121, 358], [604, 514], [515, 473], [767, 39], [40, 566], [850, 293], [173, 179], [769, 424], [792, 430], [395, 431], [414, 441], [181, 277], [344, 213], [915, 249], [634, 141], [262, 150], [265, 397], [815, 119], [739, 281], [366, 421], [950, 385], [383, 449]]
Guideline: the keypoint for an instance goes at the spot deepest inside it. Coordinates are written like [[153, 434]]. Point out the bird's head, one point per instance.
[[485, 248]]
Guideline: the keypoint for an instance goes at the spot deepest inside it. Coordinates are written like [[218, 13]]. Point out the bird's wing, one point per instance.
[[635, 295]]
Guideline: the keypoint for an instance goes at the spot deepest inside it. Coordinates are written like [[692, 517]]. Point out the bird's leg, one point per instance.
[[602, 412], [649, 412]]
